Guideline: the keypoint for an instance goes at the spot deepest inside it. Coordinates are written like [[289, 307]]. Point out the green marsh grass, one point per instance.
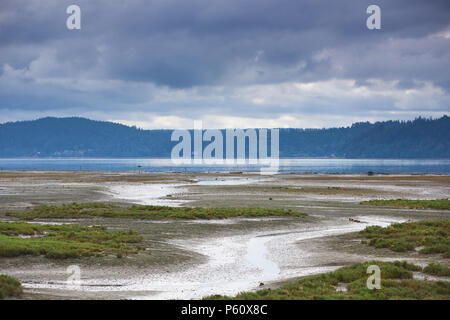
[[87, 210], [65, 241], [396, 283], [9, 287], [442, 204], [437, 270], [433, 236]]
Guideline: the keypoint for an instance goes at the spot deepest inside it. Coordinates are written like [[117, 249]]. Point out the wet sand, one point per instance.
[[189, 259]]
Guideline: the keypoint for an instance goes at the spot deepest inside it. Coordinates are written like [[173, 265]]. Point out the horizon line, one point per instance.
[[224, 128]]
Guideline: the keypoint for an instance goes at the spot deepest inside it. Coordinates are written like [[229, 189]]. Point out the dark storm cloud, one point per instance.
[[126, 50], [185, 43]]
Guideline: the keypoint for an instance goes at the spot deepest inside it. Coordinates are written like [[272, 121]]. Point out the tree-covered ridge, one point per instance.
[[420, 138], [80, 137]]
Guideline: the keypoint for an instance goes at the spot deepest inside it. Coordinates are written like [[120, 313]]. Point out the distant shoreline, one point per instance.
[[285, 165], [168, 158], [81, 137]]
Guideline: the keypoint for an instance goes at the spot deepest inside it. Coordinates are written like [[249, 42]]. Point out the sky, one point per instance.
[[228, 63]]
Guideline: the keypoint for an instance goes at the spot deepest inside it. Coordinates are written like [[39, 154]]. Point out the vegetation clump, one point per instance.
[[396, 283], [437, 270], [65, 241], [9, 287], [442, 204], [88, 210], [433, 236]]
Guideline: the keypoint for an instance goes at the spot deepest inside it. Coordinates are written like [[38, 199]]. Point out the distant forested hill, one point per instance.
[[79, 137], [421, 138]]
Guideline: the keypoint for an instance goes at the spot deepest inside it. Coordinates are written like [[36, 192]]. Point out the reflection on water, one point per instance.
[[257, 256], [286, 165]]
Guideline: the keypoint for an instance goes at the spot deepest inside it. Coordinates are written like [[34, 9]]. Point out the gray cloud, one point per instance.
[[198, 57]]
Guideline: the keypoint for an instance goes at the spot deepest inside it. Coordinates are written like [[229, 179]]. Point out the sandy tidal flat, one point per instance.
[[193, 258]]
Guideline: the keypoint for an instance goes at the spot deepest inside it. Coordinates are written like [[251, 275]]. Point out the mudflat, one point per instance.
[[192, 258]]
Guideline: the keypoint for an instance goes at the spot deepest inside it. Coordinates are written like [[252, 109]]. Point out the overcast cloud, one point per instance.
[[230, 63]]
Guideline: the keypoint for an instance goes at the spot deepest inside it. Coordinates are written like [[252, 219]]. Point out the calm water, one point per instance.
[[286, 165]]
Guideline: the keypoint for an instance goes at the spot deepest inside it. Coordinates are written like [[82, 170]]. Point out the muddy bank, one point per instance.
[[191, 259]]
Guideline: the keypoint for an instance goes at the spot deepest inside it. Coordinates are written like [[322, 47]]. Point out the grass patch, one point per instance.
[[9, 287], [437, 269], [324, 190], [86, 210], [65, 241], [433, 235], [396, 283], [443, 204]]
